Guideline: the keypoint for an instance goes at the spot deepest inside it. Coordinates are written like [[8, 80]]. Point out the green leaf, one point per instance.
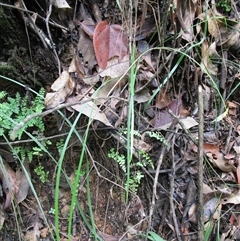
[[154, 237]]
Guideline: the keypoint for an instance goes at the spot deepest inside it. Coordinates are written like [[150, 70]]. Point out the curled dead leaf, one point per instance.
[[220, 162], [63, 87]]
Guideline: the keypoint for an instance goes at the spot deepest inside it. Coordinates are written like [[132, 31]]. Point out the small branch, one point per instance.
[[159, 163], [200, 166], [171, 180], [31, 12], [42, 114], [49, 12]]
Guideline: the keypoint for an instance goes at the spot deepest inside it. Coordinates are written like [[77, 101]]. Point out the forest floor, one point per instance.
[[136, 95]]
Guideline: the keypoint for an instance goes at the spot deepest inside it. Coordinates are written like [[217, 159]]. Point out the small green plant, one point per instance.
[[60, 145], [123, 131], [145, 159], [16, 109], [158, 136], [225, 5], [51, 211], [119, 158], [43, 175], [136, 172]]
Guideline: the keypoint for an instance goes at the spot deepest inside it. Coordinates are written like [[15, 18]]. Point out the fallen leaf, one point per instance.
[[142, 95], [33, 234], [76, 66], [109, 41], [223, 29], [10, 183], [210, 208], [88, 25], [60, 4], [162, 99], [220, 162], [85, 47], [63, 87], [235, 199], [23, 182], [91, 110], [115, 68], [44, 232], [206, 63], [148, 28], [163, 116], [143, 47], [186, 13], [212, 148]]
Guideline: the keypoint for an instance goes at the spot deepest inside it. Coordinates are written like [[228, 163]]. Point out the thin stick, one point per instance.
[[200, 166], [42, 114], [159, 163], [49, 12], [171, 180], [31, 12]]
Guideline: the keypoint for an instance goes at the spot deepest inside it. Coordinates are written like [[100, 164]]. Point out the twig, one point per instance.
[[42, 114], [31, 12], [80, 130], [155, 184], [223, 79], [200, 166], [49, 12], [226, 146], [171, 177]]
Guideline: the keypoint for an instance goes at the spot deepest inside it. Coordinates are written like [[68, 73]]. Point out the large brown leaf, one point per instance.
[[109, 41]]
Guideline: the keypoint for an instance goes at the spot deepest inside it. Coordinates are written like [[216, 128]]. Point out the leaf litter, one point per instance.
[[98, 78]]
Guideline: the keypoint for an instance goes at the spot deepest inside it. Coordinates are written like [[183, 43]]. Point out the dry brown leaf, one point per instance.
[[115, 68], [213, 27], [191, 196], [143, 47], [141, 145], [220, 162], [33, 234], [91, 110], [44, 232], [142, 95], [148, 28], [162, 99], [76, 66], [186, 11], [63, 87], [232, 108], [212, 148], [85, 47], [88, 25], [109, 41], [206, 63], [24, 183], [235, 199], [225, 31], [10, 183], [210, 208], [61, 4]]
